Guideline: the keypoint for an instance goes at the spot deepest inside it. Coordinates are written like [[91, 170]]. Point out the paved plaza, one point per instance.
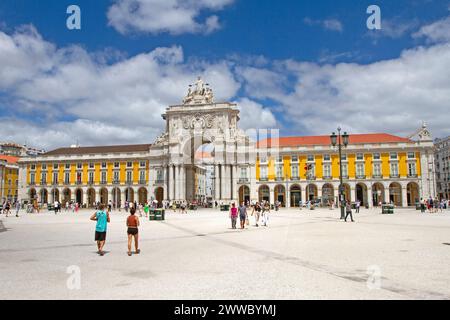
[[302, 254]]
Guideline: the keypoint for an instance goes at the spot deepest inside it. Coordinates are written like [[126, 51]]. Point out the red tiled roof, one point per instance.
[[9, 159], [325, 140]]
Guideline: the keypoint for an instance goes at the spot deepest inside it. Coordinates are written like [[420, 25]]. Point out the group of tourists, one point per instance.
[[433, 205], [7, 206], [260, 210]]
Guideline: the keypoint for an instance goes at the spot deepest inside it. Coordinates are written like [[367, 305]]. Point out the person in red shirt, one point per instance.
[[233, 215]]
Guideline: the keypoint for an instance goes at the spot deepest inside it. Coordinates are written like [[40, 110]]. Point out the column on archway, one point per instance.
[[177, 182], [271, 195], [369, 197], [122, 197], [73, 195], [234, 182], [97, 195], [288, 196], [216, 182], [166, 183], [319, 191], [171, 182], [183, 183], [386, 194], [354, 192], [85, 198], [222, 182], [404, 196], [303, 193]]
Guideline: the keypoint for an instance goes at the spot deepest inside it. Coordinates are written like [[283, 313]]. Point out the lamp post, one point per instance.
[[340, 141]]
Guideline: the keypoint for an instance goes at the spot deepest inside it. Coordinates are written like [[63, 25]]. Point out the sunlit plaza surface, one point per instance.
[[301, 254]]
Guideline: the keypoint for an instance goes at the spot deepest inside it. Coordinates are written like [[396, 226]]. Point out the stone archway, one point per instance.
[[263, 193], [395, 194], [32, 194], [412, 190], [311, 192], [55, 194], [67, 194], [91, 198], [129, 194], [378, 194], [116, 198], [104, 196], [43, 196], [327, 193], [79, 196], [159, 195], [347, 192], [244, 194], [279, 193], [142, 195], [296, 195], [361, 193]]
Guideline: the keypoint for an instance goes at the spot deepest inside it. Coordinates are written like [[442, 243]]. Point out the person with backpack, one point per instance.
[[102, 219], [348, 209], [133, 231]]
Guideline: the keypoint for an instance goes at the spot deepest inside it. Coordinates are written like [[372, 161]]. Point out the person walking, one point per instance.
[[133, 231], [257, 212], [233, 215], [348, 208], [17, 208], [7, 208], [422, 205], [102, 219], [242, 215], [357, 205]]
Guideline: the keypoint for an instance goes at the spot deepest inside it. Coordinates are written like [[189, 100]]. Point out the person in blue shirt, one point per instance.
[[102, 219]]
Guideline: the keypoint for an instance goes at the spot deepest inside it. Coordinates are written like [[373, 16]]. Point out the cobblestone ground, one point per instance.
[[302, 254]]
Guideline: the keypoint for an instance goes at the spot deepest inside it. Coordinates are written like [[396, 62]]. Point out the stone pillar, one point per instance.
[[171, 182], [369, 197], [386, 194], [85, 198], [272, 195], [122, 197], [303, 194], [97, 195], [288, 197], [182, 183], [404, 197], [222, 181], [216, 182], [166, 184], [176, 182], [353, 194]]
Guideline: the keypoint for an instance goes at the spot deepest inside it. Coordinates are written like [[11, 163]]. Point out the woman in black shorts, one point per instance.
[[133, 231]]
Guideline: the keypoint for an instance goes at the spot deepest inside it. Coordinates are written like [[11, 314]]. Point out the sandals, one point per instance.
[[129, 254], [138, 251]]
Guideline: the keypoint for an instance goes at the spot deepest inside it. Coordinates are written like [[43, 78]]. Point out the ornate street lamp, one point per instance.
[[340, 141]]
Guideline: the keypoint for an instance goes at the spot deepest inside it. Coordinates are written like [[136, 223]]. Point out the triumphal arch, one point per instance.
[[200, 121]]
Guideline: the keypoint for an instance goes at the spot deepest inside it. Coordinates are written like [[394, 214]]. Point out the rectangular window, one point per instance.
[[279, 171], [376, 156], [264, 172], [103, 165], [280, 159], [44, 177], [327, 171], [311, 172], [412, 169], [393, 156], [103, 177], [79, 166], [294, 159], [129, 176], [79, 177], [129, 164], [44, 166], [359, 156], [91, 177], [411, 155], [142, 175], [33, 167], [344, 157], [142, 164], [116, 176], [67, 166], [55, 177], [55, 166], [91, 165], [310, 158], [377, 170], [294, 171], [345, 170], [326, 157], [360, 169], [394, 169], [116, 164], [67, 178], [159, 175]]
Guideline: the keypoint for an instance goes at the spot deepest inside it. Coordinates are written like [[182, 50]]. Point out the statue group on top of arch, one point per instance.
[[199, 93]]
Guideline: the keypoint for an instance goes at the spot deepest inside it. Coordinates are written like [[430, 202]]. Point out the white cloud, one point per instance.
[[172, 16], [438, 31], [394, 28], [387, 96], [328, 24], [67, 95], [254, 116]]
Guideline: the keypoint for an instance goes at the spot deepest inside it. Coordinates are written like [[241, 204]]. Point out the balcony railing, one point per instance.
[[159, 180], [295, 178], [79, 182], [142, 181], [279, 178], [412, 175], [32, 183], [243, 180], [327, 178], [263, 179], [116, 181], [360, 176], [311, 177], [377, 176], [55, 182], [43, 182], [394, 176], [103, 182]]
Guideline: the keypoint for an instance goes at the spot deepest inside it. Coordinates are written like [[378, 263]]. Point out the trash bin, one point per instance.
[[192, 207], [160, 214], [224, 207], [387, 209], [417, 205]]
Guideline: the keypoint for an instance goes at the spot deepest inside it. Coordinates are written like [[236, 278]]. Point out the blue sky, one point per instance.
[[304, 67]]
